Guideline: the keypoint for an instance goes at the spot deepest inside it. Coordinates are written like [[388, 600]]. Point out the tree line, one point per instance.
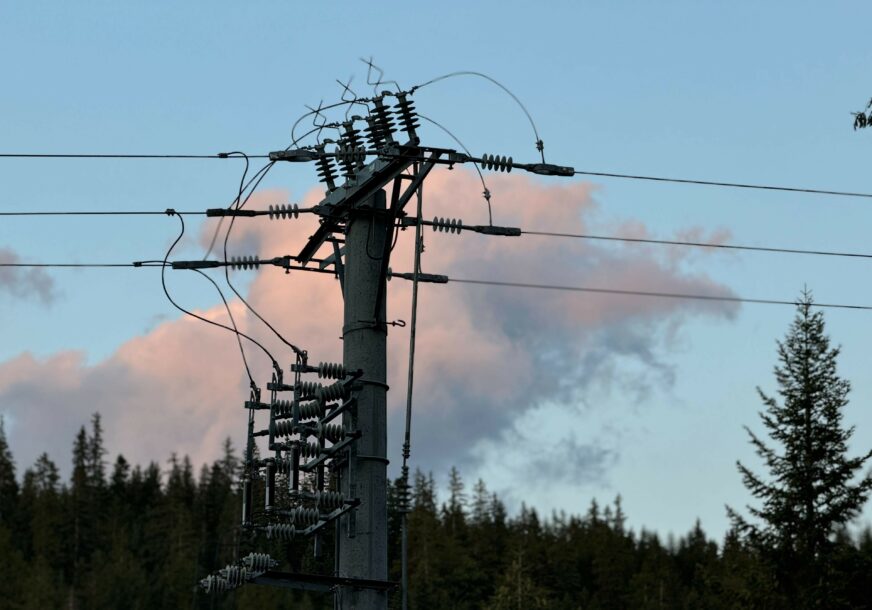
[[125, 536]]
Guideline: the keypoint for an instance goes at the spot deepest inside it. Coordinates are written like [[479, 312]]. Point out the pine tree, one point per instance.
[[809, 494], [8, 483]]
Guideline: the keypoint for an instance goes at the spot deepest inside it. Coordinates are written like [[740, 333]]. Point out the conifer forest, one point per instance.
[[121, 535]]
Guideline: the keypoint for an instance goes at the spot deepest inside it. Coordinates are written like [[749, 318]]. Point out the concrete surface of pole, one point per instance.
[[364, 553]]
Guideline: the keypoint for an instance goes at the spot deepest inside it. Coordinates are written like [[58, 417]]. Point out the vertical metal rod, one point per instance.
[[364, 340], [408, 437]]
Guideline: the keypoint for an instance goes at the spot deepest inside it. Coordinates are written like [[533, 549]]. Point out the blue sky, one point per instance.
[[750, 92]]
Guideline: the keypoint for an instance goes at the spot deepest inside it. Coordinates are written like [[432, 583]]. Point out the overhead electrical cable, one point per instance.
[[486, 192], [764, 187], [240, 204], [212, 322], [696, 244], [116, 156], [539, 145], [103, 213], [644, 293]]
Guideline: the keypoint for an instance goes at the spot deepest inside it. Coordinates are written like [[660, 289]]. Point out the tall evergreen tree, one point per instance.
[[809, 494], [8, 483]]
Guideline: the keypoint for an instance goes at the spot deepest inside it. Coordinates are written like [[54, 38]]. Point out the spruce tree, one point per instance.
[[809, 493]]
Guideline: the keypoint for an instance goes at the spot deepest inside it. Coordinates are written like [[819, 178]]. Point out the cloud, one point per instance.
[[25, 282], [486, 356]]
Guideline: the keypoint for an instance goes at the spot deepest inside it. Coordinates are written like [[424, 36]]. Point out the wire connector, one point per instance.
[[296, 155]]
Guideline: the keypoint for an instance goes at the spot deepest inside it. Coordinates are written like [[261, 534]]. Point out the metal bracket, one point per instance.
[[321, 583]]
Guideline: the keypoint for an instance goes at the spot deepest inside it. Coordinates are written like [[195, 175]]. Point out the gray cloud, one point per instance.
[[25, 282]]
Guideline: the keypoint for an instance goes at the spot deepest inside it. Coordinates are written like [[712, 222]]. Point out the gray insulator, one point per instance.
[[215, 584], [448, 225], [283, 409], [281, 531], [336, 391], [332, 432], [236, 576], [409, 119], [259, 562], [284, 211], [496, 162], [311, 409], [309, 389], [304, 516], [374, 132], [284, 466], [284, 427], [244, 262], [331, 370], [330, 500], [326, 170], [352, 135], [310, 450]]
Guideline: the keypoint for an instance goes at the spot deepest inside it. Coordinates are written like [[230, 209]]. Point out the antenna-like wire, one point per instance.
[[540, 146], [486, 192]]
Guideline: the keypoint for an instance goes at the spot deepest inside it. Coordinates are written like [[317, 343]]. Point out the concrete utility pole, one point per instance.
[[363, 551]]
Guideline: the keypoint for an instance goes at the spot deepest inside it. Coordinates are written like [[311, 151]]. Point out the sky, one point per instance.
[[553, 399]]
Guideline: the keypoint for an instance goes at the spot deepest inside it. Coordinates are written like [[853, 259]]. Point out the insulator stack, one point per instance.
[[374, 132], [350, 157], [496, 162], [244, 262], [259, 562], [304, 516], [281, 531], [284, 409], [326, 170], [404, 504], [310, 389], [284, 466], [448, 225], [385, 121], [331, 370], [284, 427], [332, 432], [351, 135], [310, 450], [215, 584], [330, 500], [405, 108], [235, 575], [290, 210], [336, 391]]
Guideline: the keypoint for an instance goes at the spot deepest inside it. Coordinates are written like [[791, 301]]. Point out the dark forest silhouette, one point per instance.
[[134, 537]]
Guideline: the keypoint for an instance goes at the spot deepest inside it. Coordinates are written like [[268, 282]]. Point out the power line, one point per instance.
[[764, 187], [667, 295], [641, 240], [116, 156], [101, 213], [86, 265]]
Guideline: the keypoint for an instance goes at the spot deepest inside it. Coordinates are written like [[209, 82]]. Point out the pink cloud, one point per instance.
[[485, 355]]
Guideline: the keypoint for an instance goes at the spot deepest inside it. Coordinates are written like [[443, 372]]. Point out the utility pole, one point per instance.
[[303, 438], [363, 533]]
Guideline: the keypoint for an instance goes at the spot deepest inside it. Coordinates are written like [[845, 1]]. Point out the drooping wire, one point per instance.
[[486, 192], [540, 146], [234, 329], [252, 184], [240, 204]]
